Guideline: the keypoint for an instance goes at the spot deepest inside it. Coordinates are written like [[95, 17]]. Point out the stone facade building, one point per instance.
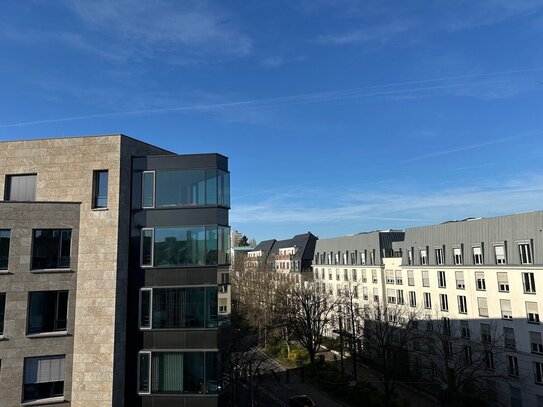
[[70, 272]]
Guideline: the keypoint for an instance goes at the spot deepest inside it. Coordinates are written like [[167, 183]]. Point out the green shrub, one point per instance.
[[298, 357]]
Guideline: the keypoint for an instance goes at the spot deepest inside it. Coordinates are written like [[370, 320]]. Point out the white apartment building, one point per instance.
[[485, 276]]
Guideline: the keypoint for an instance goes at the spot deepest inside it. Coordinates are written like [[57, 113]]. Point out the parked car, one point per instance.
[[301, 401]]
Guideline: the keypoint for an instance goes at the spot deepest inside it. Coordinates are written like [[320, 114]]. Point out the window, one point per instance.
[[362, 257], [532, 312], [399, 279], [441, 281], [4, 248], [47, 311], [536, 345], [20, 187], [51, 248], [425, 279], [43, 377], [446, 324], [423, 257], [460, 284], [346, 257], [175, 188], [427, 300], [179, 372], [99, 189], [410, 257], [499, 253], [483, 306], [457, 255], [376, 294], [345, 274], [337, 275], [462, 304], [505, 306], [485, 333], [464, 329], [538, 372], [509, 338], [503, 283], [391, 296], [512, 366], [148, 189], [389, 276], [364, 276], [354, 275], [2, 312], [190, 246], [365, 293], [440, 258], [354, 255], [480, 281], [374, 276], [525, 252], [178, 308], [410, 278], [412, 298], [489, 360], [468, 358], [528, 282], [443, 302], [399, 295], [478, 255], [372, 257]]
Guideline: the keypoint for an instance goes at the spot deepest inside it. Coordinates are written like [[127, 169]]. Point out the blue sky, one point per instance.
[[338, 116]]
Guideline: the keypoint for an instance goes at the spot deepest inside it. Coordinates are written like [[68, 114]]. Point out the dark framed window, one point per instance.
[[4, 248], [2, 312], [190, 246], [179, 373], [148, 189], [43, 377], [99, 189], [179, 308], [47, 311], [51, 248], [20, 187]]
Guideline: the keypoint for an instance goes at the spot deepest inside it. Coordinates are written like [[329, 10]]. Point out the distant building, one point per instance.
[[481, 277]]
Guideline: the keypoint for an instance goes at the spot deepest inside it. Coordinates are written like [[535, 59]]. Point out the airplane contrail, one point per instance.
[[305, 98]]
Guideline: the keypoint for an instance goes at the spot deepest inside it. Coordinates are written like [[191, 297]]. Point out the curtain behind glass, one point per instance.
[[167, 372]]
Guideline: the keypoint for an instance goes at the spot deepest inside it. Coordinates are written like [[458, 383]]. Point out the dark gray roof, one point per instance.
[[305, 242]]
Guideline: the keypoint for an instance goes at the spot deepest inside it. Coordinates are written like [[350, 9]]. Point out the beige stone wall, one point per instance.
[[65, 167], [18, 281]]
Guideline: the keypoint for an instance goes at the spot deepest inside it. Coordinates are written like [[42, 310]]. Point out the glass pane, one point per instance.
[[62, 311], [100, 189], [193, 372], [212, 307], [212, 373], [45, 250], [2, 312], [180, 188], [167, 372], [148, 189], [224, 188], [4, 249], [41, 311], [224, 245], [211, 246], [146, 247], [211, 187], [65, 247], [143, 383], [179, 246], [145, 309]]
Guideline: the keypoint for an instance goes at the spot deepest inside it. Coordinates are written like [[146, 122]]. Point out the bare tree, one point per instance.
[[352, 320], [306, 312], [449, 353], [387, 333]]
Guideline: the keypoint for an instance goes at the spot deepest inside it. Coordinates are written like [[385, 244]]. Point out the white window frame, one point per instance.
[[528, 283], [498, 257], [144, 352], [154, 189], [503, 283], [441, 279], [480, 309], [444, 302], [427, 300], [142, 328], [458, 259], [505, 308], [462, 304], [412, 298], [512, 366], [460, 283], [440, 256], [478, 258], [526, 255], [399, 297], [152, 248], [538, 372], [423, 253], [480, 281]]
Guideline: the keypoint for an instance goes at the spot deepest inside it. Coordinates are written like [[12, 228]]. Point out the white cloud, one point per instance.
[[160, 26], [376, 34]]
